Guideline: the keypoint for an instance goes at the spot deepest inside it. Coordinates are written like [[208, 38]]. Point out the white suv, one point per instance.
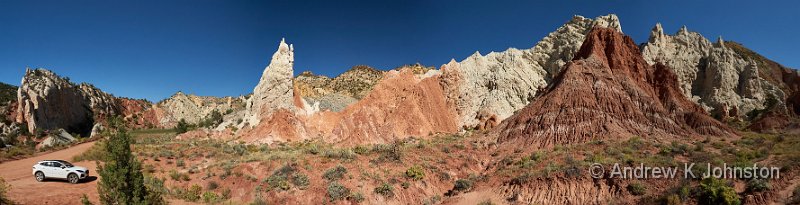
[[59, 169]]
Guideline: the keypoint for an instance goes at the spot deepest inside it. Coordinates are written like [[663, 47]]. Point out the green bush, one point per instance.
[[210, 197], [192, 194], [757, 185], [335, 173], [637, 188], [182, 127], [385, 189], [463, 185], [337, 191], [415, 172], [717, 191]]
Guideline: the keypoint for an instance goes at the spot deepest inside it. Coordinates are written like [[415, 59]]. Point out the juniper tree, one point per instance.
[[121, 178]]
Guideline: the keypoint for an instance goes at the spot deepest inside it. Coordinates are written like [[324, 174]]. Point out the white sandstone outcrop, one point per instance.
[[710, 74], [275, 90], [501, 83]]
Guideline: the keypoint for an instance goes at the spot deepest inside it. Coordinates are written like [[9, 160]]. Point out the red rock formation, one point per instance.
[[608, 90], [401, 105]]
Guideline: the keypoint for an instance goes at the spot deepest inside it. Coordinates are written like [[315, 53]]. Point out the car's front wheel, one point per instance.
[[39, 176], [73, 178]]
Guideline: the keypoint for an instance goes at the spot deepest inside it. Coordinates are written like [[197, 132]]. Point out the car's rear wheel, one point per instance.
[[39, 176], [73, 178]]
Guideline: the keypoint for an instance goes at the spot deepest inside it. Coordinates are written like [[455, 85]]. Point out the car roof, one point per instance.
[[54, 160]]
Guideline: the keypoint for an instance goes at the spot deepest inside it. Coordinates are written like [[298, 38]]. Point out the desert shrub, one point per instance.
[[389, 152], [757, 185], [192, 194], [212, 185], [344, 154], [362, 150], [385, 189], [4, 188], [175, 175], [210, 197], [337, 191], [180, 163], [182, 127], [278, 182], [282, 177], [463, 185], [415, 172], [357, 197], [335, 173], [405, 185], [637, 188], [300, 180], [673, 199], [717, 191]]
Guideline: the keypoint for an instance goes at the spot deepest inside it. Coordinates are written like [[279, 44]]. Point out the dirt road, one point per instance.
[[26, 190]]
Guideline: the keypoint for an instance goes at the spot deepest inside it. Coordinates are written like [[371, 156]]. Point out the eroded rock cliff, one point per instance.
[[608, 90], [500, 83], [711, 74]]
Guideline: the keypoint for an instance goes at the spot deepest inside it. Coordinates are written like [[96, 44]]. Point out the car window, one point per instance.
[[56, 164], [46, 164], [67, 164]]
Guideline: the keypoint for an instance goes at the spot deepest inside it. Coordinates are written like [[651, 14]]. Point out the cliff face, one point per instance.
[[47, 101], [608, 90], [722, 80], [500, 83]]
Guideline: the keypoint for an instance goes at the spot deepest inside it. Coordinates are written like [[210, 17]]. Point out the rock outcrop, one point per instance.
[[500, 83], [721, 80], [48, 102], [608, 90], [193, 108], [337, 93], [275, 89]]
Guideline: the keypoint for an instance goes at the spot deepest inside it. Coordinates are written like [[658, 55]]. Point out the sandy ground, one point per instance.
[[26, 190]]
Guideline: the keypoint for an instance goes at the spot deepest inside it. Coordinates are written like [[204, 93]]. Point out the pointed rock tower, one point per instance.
[[274, 91], [608, 90]]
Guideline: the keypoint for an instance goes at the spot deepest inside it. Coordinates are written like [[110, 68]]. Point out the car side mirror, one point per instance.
[[62, 166]]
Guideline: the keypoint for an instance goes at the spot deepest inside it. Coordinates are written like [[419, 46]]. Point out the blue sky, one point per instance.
[[152, 49]]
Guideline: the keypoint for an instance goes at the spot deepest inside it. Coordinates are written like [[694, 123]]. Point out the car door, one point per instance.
[[58, 172], [48, 169]]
